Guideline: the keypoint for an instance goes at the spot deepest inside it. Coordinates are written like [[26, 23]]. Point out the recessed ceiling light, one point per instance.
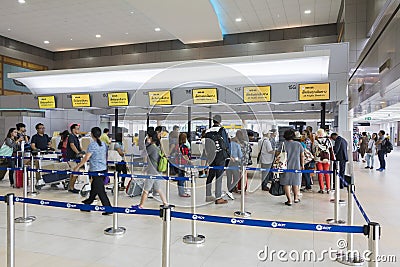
[[71, 39], [21, 1], [157, 29], [8, 29], [127, 33], [46, 42], [131, 12], [307, 11], [278, 15], [238, 19], [98, 36]]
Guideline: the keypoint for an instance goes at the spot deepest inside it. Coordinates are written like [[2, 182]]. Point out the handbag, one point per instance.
[[276, 188], [308, 156], [6, 150], [281, 159], [259, 152]]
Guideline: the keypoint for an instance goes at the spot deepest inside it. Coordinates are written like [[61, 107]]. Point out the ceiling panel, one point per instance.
[[69, 25]]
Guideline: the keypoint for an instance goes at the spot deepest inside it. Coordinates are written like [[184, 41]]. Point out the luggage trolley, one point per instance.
[[51, 178]]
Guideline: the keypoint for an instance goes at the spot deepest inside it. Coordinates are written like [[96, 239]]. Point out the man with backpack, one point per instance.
[[383, 146], [217, 153]]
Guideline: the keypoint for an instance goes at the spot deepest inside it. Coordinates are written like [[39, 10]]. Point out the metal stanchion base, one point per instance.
[[245, 214], [333, 221], [345, 259], [28, 219], [118, 231], [190, 239]]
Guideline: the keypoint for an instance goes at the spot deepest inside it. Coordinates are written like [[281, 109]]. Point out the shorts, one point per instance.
[[152, 183]]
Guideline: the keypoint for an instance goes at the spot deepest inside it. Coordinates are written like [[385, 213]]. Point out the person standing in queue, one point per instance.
[[74, 152], [97, 153], [104, 137], [340, 150], [295, 161], [217, 150], [153, 157], [40, 141], [121, 166], [9, 148]]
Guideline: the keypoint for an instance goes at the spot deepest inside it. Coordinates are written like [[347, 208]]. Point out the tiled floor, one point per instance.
[[61, 237]]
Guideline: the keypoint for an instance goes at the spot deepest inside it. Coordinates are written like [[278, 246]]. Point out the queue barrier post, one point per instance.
[[333, 181], [336, 219], [10, 230], [167, 183], [194, 238], [374, 235], [242, 212], [115, 229], [165, 214], [348, 257], [33, 191], [25, 217]]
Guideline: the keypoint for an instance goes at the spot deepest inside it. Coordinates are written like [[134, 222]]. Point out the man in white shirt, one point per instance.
[[267, 153]]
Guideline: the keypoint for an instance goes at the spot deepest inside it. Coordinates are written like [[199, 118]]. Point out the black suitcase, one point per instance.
[[3, 164], [54, 177]]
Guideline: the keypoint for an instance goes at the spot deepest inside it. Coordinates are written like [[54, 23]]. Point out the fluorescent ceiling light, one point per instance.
[[277, 68], [307, 11], [238, 19], [21, 1], [157, 29], [98, 35]]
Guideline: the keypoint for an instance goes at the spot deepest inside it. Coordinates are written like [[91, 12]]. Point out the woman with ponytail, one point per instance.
[[97, 153]]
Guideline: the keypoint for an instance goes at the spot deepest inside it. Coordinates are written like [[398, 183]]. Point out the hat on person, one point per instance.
[[297, 135], [217, 118]]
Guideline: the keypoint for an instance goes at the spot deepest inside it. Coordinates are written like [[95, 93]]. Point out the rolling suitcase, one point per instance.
[[3, 164], [19, 178], [54, 177], [134, 188]]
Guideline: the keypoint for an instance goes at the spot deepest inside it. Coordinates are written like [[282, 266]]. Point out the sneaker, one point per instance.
[[150, 195], [210, 198], [221, 201], [379, 170], [230, 195], [321, 191], [367, 167], [371, 168], [74, 191]]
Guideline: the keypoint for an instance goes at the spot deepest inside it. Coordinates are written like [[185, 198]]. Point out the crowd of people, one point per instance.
[[298, 151], [367, 146]]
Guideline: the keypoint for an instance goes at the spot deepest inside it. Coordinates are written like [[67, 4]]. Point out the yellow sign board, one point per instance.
[[160, 98], [205, 96], [47, 101], [252, 94], [80, 101], [118, 99], [314, 91]]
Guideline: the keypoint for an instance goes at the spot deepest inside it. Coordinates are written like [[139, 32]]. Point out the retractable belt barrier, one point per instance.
[[157, 177], [198, 217], [363, 213]]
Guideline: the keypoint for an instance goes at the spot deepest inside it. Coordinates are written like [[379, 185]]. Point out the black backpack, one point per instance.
[[387, 147], [215, 147]]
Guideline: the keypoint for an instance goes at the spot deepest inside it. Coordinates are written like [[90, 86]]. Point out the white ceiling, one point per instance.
[[59, 21], [258, 15]]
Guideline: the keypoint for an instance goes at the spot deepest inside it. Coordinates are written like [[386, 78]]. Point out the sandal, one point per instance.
[[296, 200], [287, 203]]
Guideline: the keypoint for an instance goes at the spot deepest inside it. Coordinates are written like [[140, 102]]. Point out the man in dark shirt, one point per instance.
[[41, 141], [340, 150], [73, 150]]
